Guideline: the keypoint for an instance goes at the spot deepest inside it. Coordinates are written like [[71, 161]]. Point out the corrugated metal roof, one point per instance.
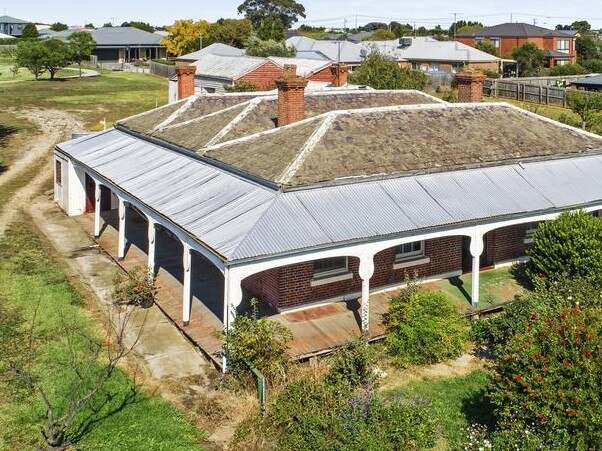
[[340, 51], [429, 49], [239, 219], [305, 66], [516, 30], [214, 49], [227, 67]]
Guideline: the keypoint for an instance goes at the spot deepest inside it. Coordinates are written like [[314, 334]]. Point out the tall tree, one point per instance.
[[288, 11], [382, 34], [529, 59], [140, 25], [185, 36], [230, 31], [582, 26], [30, 54], [57, 55], [30, 32], [487, 47], [401, 29], [588, 47], [58, 26], [271, 29], [259, 47], [464, 26], [81, 44]]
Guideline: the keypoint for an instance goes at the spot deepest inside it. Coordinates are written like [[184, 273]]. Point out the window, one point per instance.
[[58, 172], [409, 251], [328, 267], [531, 228], [562, 45], [496, 42], [562, 62]]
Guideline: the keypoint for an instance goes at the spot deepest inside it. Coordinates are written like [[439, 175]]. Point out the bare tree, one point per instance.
[[90, 362]]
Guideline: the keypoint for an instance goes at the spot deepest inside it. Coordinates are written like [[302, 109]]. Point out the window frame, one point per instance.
[[58, 172], [530, 231], [328, 273], [496, 42], [566, 42], [401, 257]]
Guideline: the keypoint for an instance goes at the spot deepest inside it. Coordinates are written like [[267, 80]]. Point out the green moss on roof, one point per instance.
[[196, 134], [268, 155], [146, 123], [205, 105]]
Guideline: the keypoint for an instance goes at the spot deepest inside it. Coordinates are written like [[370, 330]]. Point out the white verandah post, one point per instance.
[[121, 242], [232, 299], [151, 249], [97, 194], [366, 270], [186, 295], [476, 249]]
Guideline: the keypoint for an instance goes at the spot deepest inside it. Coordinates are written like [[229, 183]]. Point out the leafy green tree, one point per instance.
[[57, 55], [89, 25], [401, 29], [271, 29], [487, 47], [380, 72], [31, 55], [588, 105], [59, 26], [567, 69], [81, 44], [588, 47], [373, 26], [592, 66], [568, 247], [30, 32], [258, 47], [464, 26], [140, 25], [382, 34], [230, 31], [549, 379], [582, 26], [529, 58], [288, 11], [107, 25], [241, 86]]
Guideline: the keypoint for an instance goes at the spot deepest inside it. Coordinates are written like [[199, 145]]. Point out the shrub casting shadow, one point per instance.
[[478, 409], [519, 272], [5, 133]]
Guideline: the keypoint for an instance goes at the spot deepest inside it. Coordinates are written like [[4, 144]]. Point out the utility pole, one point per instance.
[[510, 17], [201, 42], [455, 25], [356, 22]]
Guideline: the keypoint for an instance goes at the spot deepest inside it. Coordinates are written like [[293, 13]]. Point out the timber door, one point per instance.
[[90, 194]]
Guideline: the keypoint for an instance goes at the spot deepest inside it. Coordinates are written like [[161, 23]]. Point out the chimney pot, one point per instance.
[[470, 86], [185, 75], [291, 96]]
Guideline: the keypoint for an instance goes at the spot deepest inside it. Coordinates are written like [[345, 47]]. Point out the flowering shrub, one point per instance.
[[424, 327], [549, 378], [352, 364], [568, 247], [477, 438]]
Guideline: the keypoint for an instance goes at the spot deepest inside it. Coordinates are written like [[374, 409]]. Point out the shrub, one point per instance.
[[381, 72], [259, 341], [241, 86], [352, 364], [549, 378], [567, 69], [424, 327], [133, 287], [568, 247]]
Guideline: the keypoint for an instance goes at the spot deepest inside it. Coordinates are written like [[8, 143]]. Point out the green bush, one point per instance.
[[568, 247], [381, 72], [136, 287], [567, 69], [352, 364], [260, 342], [241, 86], [424, 327], [309, 414], [549, 378]]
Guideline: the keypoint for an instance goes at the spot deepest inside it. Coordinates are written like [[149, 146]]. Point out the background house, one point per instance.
[[12, 26], [559, 45], [593, 83], [214, 49]]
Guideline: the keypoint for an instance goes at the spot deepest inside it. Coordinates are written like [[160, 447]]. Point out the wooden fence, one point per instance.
[[162, 70], [545, 95]]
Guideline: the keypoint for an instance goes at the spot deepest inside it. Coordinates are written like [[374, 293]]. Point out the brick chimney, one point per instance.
[[339, 73], [291, 96], [470, 86], [185, 76]]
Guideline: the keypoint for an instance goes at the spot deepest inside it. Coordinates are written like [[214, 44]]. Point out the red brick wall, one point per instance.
[[294, 281], [264, 76], [507, 243], [507, 45], [323, 75]]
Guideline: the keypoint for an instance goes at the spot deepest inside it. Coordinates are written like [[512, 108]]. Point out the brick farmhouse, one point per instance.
[[311, 198]]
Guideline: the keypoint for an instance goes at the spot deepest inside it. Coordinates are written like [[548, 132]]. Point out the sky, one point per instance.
[[329, 13]]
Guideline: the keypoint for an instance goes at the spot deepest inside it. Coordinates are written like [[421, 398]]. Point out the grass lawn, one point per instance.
[[455, 402], [117, 418], [497, 286], [550, 111]]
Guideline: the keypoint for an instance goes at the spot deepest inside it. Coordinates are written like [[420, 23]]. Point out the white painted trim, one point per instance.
[[528, 240], [413, 262], [244, 113], [173, 116], [331, 279]]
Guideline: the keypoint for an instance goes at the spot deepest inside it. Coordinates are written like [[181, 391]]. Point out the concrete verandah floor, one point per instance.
[[315, 330]]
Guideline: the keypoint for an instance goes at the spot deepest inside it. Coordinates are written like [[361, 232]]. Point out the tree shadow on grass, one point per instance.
[[519, 272], [108, 405], [478, 409], [5, 134]]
